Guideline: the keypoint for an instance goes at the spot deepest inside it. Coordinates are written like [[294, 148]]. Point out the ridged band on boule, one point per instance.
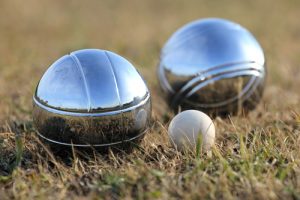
[[97, 129]]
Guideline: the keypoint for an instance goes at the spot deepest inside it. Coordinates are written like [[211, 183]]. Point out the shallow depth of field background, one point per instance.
[[256, 156]]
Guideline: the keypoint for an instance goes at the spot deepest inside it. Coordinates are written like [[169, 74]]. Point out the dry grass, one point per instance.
[[256, 156]]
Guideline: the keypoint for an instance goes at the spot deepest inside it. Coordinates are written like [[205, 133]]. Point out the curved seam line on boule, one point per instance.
[[252, 89], [258, 66], [199, 78], [81, 114], [93, 145], [245, 91], [115, 79], [112, 67], [242, 97], [199, 73], [79, 66], [221, 76], [211, 73], [205, 83], [163, 80]]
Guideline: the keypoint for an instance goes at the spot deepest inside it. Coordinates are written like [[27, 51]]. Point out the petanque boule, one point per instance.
[[90, 98], [213, 65], [189, 128]]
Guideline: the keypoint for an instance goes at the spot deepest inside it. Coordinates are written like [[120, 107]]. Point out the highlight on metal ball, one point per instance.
[[91, 97], [213, 65]]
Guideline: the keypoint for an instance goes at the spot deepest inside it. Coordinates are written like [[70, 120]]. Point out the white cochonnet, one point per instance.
[[187, 126]]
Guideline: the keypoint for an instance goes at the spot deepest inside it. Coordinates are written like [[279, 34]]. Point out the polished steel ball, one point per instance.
[[91, 98], [213, 65]]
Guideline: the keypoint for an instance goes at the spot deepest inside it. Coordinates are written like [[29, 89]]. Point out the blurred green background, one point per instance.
[[33, 34]]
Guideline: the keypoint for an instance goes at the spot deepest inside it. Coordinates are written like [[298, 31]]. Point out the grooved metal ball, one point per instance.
[[91, 98], [212, 65]]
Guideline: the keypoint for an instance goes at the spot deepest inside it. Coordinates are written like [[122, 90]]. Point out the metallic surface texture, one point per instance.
[[91, 98], [212, 65]]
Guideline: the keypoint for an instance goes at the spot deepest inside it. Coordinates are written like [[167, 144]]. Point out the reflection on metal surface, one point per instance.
[[212, 65], [91, 98]]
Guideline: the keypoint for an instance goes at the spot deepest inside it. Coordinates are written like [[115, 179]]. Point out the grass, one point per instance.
[[255, 157]]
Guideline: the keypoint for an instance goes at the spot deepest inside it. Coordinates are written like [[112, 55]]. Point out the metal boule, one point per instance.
[[213, 65], [93, 98]]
